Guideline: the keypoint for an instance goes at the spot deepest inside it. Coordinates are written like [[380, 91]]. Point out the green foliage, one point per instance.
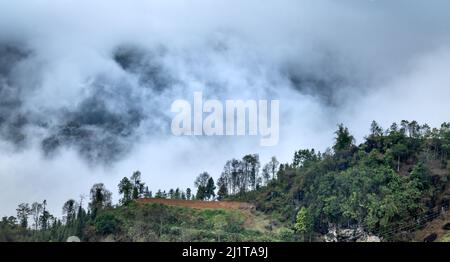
[[23, 212], [69, 211], [359, 185], [100, 198], [287, 235], [210, 188], [343, 140], [304, 158], [107, 223], [303, 222], [222, 193], [126, 189], [138, 187], [205, 187]]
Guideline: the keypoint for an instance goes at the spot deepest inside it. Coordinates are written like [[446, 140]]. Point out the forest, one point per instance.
[[388, 186]]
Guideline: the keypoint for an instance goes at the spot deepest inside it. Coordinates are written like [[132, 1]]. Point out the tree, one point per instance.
[[80, 219], [251, 170], [177, 194], [188, 193], [107, 224], [227, 177], [36, 210], [404, 126], [201, 182], [414, 129], [45, 219], [147, 193], [7, 223], [138, 186], [343, 139], [420, 175], [69, 211], [202, 179], [236, 174], [210, 188], [159, 194], [399, 151], [100, 198], [222, 193], [272, 167], [375, 129], [266, 174], [126, 189], [23, 212], [303, 222], [304, 157], [45, 216]]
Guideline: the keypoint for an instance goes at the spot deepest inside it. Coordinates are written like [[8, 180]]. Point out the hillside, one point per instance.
[[175, 221], [394, 186], [391, 185]]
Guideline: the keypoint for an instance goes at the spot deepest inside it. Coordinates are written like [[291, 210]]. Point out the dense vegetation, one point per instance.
[[396, 176]]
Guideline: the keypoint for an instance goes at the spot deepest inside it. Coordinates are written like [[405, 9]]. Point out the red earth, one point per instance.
[[198, 203]]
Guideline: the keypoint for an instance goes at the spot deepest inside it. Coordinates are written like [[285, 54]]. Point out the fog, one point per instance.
[[86, 86]]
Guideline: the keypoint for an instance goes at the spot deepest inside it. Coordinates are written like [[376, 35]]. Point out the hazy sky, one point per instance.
[[86, 86]]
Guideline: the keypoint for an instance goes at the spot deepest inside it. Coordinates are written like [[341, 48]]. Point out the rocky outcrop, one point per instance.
[[430, 238], [349, 235], [446, 226], [73, 239]]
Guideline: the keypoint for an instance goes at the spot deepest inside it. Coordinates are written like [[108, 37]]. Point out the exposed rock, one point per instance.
[[349, 235], [446, 226], [369, 238], [331, 236], [430, 238], [73, 239]]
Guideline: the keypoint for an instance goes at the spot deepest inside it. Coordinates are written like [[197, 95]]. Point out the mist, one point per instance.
[[86, 87]]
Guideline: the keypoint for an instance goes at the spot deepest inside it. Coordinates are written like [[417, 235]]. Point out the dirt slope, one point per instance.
[[198, 203]]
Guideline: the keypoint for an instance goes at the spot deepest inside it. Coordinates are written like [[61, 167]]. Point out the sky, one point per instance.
[[86, 86]]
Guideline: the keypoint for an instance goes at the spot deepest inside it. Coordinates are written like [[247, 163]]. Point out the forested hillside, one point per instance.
[[397, 177], [388, 187]]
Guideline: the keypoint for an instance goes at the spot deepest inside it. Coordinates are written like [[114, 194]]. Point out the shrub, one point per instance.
[[107, 224]]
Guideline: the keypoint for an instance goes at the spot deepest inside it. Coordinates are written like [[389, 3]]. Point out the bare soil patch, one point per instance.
[[198, 203]]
